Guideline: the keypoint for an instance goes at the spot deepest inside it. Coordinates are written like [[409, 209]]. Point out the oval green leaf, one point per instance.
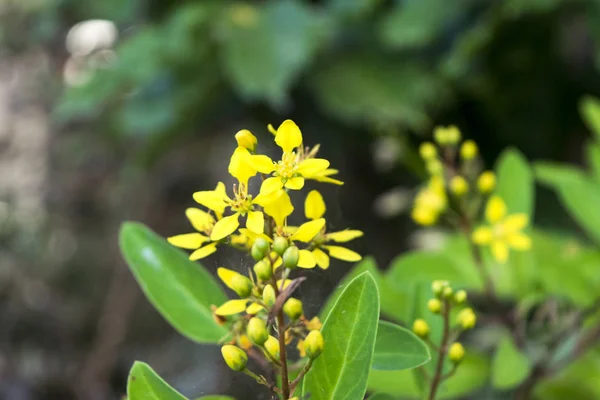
[[515, 182], [145, 384], [215, 397], [181, 290], [510, 367], [381, 396], [349, 331], [398, 348]]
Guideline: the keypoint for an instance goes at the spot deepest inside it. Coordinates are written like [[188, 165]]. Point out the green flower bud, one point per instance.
[[290, 257], [486, 182], [313, 344], [421, 328], [260, 249], [468, 150], [427, 151], [448, 292], [434, 305], [268, 296], [293, 308], [280, 244], [456, 352], [466, 318], [257, 331], [263, 270], [459, 186], [434, 167], [241, 285], [460, 297], [235, 357], [272, 346], [438, 287]]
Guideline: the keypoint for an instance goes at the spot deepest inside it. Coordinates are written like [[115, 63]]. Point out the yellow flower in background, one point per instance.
[[430, 202], [504, 231], [314, 209]]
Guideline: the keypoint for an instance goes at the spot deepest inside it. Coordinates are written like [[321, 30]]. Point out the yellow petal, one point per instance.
[[314, 206], [321, 258], [240, 165], [262, 163], [495, 209], [255, 221], [200, 220], [312, 167], [278, 261], [232, 307], [269, 185], [190, 241], [227, 276], [306, 259], [252, 236], [271, 129], [515, 222], [326, 179], [280, 207], [286, 283], [254, 308], [225, 227], [344, 236], [295, 183], [212, 199], [203, 251], [245, 138], [342, 253], [482, 235], [500, 251], [288, 136], [519, 241], [308, 230]]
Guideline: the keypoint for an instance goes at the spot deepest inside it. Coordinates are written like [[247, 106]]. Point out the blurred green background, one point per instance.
[[121, 109]]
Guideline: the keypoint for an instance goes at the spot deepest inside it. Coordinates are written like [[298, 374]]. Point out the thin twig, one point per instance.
[[437, 377]]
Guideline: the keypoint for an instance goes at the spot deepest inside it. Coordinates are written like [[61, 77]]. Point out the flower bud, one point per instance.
[[448, 292], [456, 352], [460, 297], [257, 331], [241, 285], [453, 135], [434, 305], [468, 150], [280, 244], [467, 318], [268, 296], [459, 185], [445, 136], [293, 308], [486, 182], [434, 167], [246, 139], [235, 357], [313, 344], [272, 346], [291, 255], [424, 216], [427, 151], [244, 342], [438, 287], [420, 328], [263, 270], [260, 249]]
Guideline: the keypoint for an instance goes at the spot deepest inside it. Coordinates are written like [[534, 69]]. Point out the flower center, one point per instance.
[[242, 201], [287, 166]]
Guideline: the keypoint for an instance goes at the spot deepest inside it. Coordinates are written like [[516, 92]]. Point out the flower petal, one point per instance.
[[295, 183], [342, 253], [200, 219], [482, 235], [321, 258], [500, 251], [515, 222], [306, 259], [269, 186], [519, 241], [495, 209], [225, 227], [254, 308], [314, 206], [232, 307], [280, 207], [256, 221], [227, 276], [288, 136], [262, 164], [203, 251], [252, 236], [240, 165], [190, 241], [308, 230], [344, 236], [212, 199], [312, 167], [285, 284]]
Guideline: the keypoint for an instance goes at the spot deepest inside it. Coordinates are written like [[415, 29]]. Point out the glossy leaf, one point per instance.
[[349, 331], [398, 348], [589, 107], [593, 160], [145, 384], [554, 174], [381, 396], [510, 367], [181, 290], [215, 397], [515, 182]]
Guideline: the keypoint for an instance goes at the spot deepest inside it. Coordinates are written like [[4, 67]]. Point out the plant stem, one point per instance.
[[437, 377], [285, 384], [300, 376]]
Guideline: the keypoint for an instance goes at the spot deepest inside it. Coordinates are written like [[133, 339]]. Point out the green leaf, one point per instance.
[[398, 348], [181, 290], [555, 175], [145, 384], [578, 380], [589, 107], [593, 159], [381, 396], [349, 331], [515, 182], [215, 397], [510, 367]]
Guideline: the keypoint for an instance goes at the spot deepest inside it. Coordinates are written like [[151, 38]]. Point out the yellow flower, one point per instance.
[[430, 202], [504, 231], [246, 139], [314, 209], [295, 166], [486, 182]]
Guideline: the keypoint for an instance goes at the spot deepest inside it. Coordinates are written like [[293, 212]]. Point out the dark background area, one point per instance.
[[125, 115]]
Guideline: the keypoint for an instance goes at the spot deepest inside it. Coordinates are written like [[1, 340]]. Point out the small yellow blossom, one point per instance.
[[430, 202], [459, 185], [421, 328], [486, 182], [446, 135], [456, 352], [468, 150], [427, 151], [504, 231], [246, 139]]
